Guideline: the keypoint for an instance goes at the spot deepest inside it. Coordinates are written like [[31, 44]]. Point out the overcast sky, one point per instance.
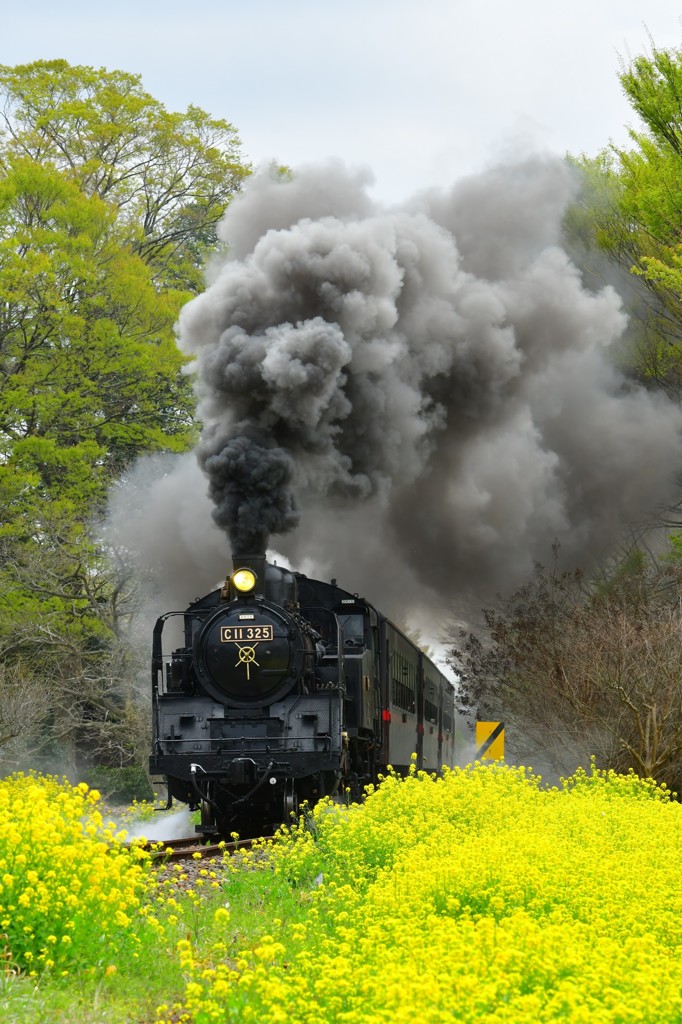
[[421, 91]]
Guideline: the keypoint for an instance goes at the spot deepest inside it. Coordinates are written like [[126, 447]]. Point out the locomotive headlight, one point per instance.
[[244, 580]]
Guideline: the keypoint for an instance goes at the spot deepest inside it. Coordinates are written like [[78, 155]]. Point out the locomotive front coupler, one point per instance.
[[204, 796], [275, 774], [242, 771]]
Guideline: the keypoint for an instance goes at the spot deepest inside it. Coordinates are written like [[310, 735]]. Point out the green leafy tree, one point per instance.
[[89, 372], [168, 175], [108, 204], [631, 209]]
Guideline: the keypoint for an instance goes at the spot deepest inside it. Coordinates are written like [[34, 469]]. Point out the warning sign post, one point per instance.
[[489, 741]]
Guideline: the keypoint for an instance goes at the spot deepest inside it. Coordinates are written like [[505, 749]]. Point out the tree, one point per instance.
[[107, 205], [169, 176], [89, 372], [631, 209], [107, 209], [577, 671]]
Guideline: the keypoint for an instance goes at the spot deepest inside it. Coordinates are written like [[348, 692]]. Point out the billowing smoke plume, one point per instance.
[[429, 388], [250, 483]]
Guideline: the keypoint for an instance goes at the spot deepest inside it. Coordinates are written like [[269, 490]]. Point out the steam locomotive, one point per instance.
[[286, 689]]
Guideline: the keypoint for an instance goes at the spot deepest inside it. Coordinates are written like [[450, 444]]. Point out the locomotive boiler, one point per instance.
[[286, 689]]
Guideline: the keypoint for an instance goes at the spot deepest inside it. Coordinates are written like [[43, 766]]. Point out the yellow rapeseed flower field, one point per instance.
[[477, 896], [68, 888]]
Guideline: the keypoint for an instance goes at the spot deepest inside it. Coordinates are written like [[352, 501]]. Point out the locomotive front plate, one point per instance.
[[246, 634], [244, 662]]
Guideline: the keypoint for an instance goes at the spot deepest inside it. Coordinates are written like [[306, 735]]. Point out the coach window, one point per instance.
[[403, 673]]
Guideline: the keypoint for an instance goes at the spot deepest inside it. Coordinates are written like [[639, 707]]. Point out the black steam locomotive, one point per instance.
[[287, 689]]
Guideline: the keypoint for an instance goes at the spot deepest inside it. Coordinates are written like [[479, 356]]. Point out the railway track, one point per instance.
[[187, 847]]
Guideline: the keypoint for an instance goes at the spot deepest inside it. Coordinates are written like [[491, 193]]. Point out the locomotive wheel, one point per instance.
[[290, 800]]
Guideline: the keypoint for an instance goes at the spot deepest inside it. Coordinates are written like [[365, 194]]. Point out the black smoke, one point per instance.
[[250, 485], [431, 386]]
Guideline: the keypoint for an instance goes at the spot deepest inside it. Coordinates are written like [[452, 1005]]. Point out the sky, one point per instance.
[[422, 92]]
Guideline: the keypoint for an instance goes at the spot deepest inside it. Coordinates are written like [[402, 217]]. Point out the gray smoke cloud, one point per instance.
[[427, 392], [417, 400]]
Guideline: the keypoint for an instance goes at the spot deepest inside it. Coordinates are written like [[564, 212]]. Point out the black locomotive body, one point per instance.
[[287, 689]]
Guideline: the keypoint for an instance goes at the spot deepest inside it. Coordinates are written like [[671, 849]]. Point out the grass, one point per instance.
[[131, 993]]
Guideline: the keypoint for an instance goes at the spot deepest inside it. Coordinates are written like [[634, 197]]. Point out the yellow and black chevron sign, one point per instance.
[[489, 741]]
